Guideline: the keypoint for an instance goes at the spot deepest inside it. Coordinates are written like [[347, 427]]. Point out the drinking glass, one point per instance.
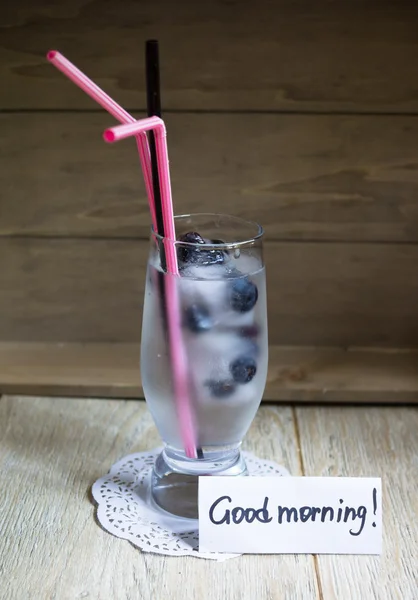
[[221, 288]]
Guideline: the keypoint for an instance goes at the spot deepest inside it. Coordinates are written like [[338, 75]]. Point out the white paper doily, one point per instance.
[[124, 508]]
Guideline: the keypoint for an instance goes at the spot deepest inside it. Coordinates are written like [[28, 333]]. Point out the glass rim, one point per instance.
[[248, 241]]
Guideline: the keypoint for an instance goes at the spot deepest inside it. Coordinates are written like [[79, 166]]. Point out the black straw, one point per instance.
[[152, 68], [154, 110], [152, 73]]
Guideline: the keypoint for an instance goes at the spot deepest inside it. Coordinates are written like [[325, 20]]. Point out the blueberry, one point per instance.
[[221, 389], [194, 254], [185, 253], [192, 237], [243, 369], [244, 295], [197, 318]]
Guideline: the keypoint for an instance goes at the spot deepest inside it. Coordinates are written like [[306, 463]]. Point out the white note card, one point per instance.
[[280, 515]]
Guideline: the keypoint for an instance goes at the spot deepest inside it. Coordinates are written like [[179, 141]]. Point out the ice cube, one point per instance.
[[246, 263], [211, 356], [204, 286], [214, 289]]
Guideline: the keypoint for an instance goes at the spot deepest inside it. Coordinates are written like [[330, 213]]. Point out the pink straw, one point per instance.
[[177, 350], [157, 125], [87, 85], [178, 355]]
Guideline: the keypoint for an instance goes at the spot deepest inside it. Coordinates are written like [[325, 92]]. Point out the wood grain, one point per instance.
[[283, 55], [361, 375], [334, 178], [81, 290], [52, 450], [369, 442]]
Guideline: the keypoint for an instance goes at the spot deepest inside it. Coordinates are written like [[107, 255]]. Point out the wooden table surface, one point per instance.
[[53, 449]]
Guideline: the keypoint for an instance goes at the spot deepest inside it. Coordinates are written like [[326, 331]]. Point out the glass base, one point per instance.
[[175, 478]]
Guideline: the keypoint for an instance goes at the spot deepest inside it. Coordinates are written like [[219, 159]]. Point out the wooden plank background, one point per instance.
[[301, 115], [91, 290], [360, 375], [342, 178], [223, 54]]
